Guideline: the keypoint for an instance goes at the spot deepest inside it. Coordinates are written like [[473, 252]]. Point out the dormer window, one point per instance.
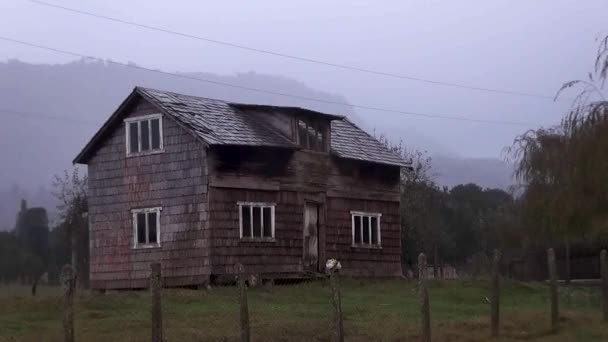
[[144, 134], [312, 136]]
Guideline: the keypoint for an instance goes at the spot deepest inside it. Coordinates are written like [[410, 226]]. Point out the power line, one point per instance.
[[21, 114], [184, 76], [293, 57]]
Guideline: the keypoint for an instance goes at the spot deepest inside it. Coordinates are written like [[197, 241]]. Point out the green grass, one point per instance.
[[380, 310]]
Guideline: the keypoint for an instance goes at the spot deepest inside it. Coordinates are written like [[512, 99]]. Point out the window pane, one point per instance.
[[374, 230], [366, 229], [152, 228], [133, 146], [357, 229], [155, 134], [145, 135], [312, 138], [320, 141], [141, 228], [257, 222], [246, 215], [302, 134], [267, 222]]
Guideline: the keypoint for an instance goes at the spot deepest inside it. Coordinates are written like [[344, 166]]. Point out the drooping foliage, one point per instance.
[[564, 169]]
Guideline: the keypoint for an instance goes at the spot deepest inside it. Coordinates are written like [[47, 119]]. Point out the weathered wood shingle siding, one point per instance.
[[175, 180], [364, 187], [289, 180]]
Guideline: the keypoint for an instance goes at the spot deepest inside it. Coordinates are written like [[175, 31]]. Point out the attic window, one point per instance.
[[144, 134], [311, 136]]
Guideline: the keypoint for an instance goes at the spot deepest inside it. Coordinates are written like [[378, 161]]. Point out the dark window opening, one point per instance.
[[141, 228], [133, 137], [257, 222], [152, 228], [311, 136], [357, 229], [155, 126], [246, 220], [374, 230], [366, 230]]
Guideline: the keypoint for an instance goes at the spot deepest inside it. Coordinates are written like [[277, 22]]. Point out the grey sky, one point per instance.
[[529, 46]]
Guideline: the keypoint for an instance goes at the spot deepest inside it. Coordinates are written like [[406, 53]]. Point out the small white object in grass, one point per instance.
[[332, 265]]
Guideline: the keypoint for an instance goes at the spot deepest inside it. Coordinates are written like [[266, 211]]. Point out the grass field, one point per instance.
[[386, 310]]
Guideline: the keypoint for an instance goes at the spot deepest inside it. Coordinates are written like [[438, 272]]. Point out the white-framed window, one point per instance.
[[256, 220], [366, 229], [146, 227], [144, 134]]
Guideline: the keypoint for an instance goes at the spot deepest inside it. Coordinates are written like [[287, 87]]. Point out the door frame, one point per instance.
[[319, 201]]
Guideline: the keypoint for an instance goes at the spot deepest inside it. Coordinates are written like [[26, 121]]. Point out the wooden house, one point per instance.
[[201, 184]]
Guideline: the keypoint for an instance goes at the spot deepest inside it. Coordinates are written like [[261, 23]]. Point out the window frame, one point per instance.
[[367, 215], [321, 135], [260, 205], [134, 213], [138, 120]]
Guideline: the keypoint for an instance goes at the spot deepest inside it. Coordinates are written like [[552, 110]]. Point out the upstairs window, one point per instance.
[[256, 220], [366, 229], [144, 134], [311, 136], [146, 227]]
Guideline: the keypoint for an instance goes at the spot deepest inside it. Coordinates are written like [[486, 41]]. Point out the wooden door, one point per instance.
[[311, 237]]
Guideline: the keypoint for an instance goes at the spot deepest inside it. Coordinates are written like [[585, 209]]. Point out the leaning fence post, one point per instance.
[[245, 331], [553, 284], [333, 267], [155, 289], [495, 296], [424, 298], [604, 273], [67, 282]]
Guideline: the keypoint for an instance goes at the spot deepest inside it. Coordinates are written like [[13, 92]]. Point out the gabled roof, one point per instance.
[[217, 122]]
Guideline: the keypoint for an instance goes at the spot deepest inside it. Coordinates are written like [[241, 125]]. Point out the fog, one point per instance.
[[531, 46], [521, 46]]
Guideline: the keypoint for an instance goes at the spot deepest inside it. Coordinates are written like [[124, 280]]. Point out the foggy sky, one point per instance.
[[528, 46]]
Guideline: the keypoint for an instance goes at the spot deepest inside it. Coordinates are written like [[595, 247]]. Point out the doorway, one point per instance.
[[310, 258]]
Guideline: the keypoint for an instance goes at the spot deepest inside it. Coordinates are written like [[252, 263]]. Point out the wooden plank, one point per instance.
[[243, 182]]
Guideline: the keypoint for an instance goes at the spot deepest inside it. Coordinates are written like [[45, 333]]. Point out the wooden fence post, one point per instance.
[[424, 298], [157, 311], [495, 296], [333, 267], [245, 331], [553, 285], [68, 284], [604, 273]]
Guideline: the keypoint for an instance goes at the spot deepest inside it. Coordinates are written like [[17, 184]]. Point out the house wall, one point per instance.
[[175, 180], [290, 179]]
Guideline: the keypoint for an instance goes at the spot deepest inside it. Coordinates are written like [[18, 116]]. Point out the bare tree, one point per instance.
[[71, 191]]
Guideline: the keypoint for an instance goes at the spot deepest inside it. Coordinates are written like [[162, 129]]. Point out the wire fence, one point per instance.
[[336, 319]]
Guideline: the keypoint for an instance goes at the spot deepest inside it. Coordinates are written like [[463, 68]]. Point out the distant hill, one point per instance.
[[486, 172], [85, 93]]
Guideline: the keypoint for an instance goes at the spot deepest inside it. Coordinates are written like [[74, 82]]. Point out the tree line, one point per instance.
[[460, 226], [37, 248]]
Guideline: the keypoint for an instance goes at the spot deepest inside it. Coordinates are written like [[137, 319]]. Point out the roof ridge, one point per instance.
[[145, 89], [232, 103]]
